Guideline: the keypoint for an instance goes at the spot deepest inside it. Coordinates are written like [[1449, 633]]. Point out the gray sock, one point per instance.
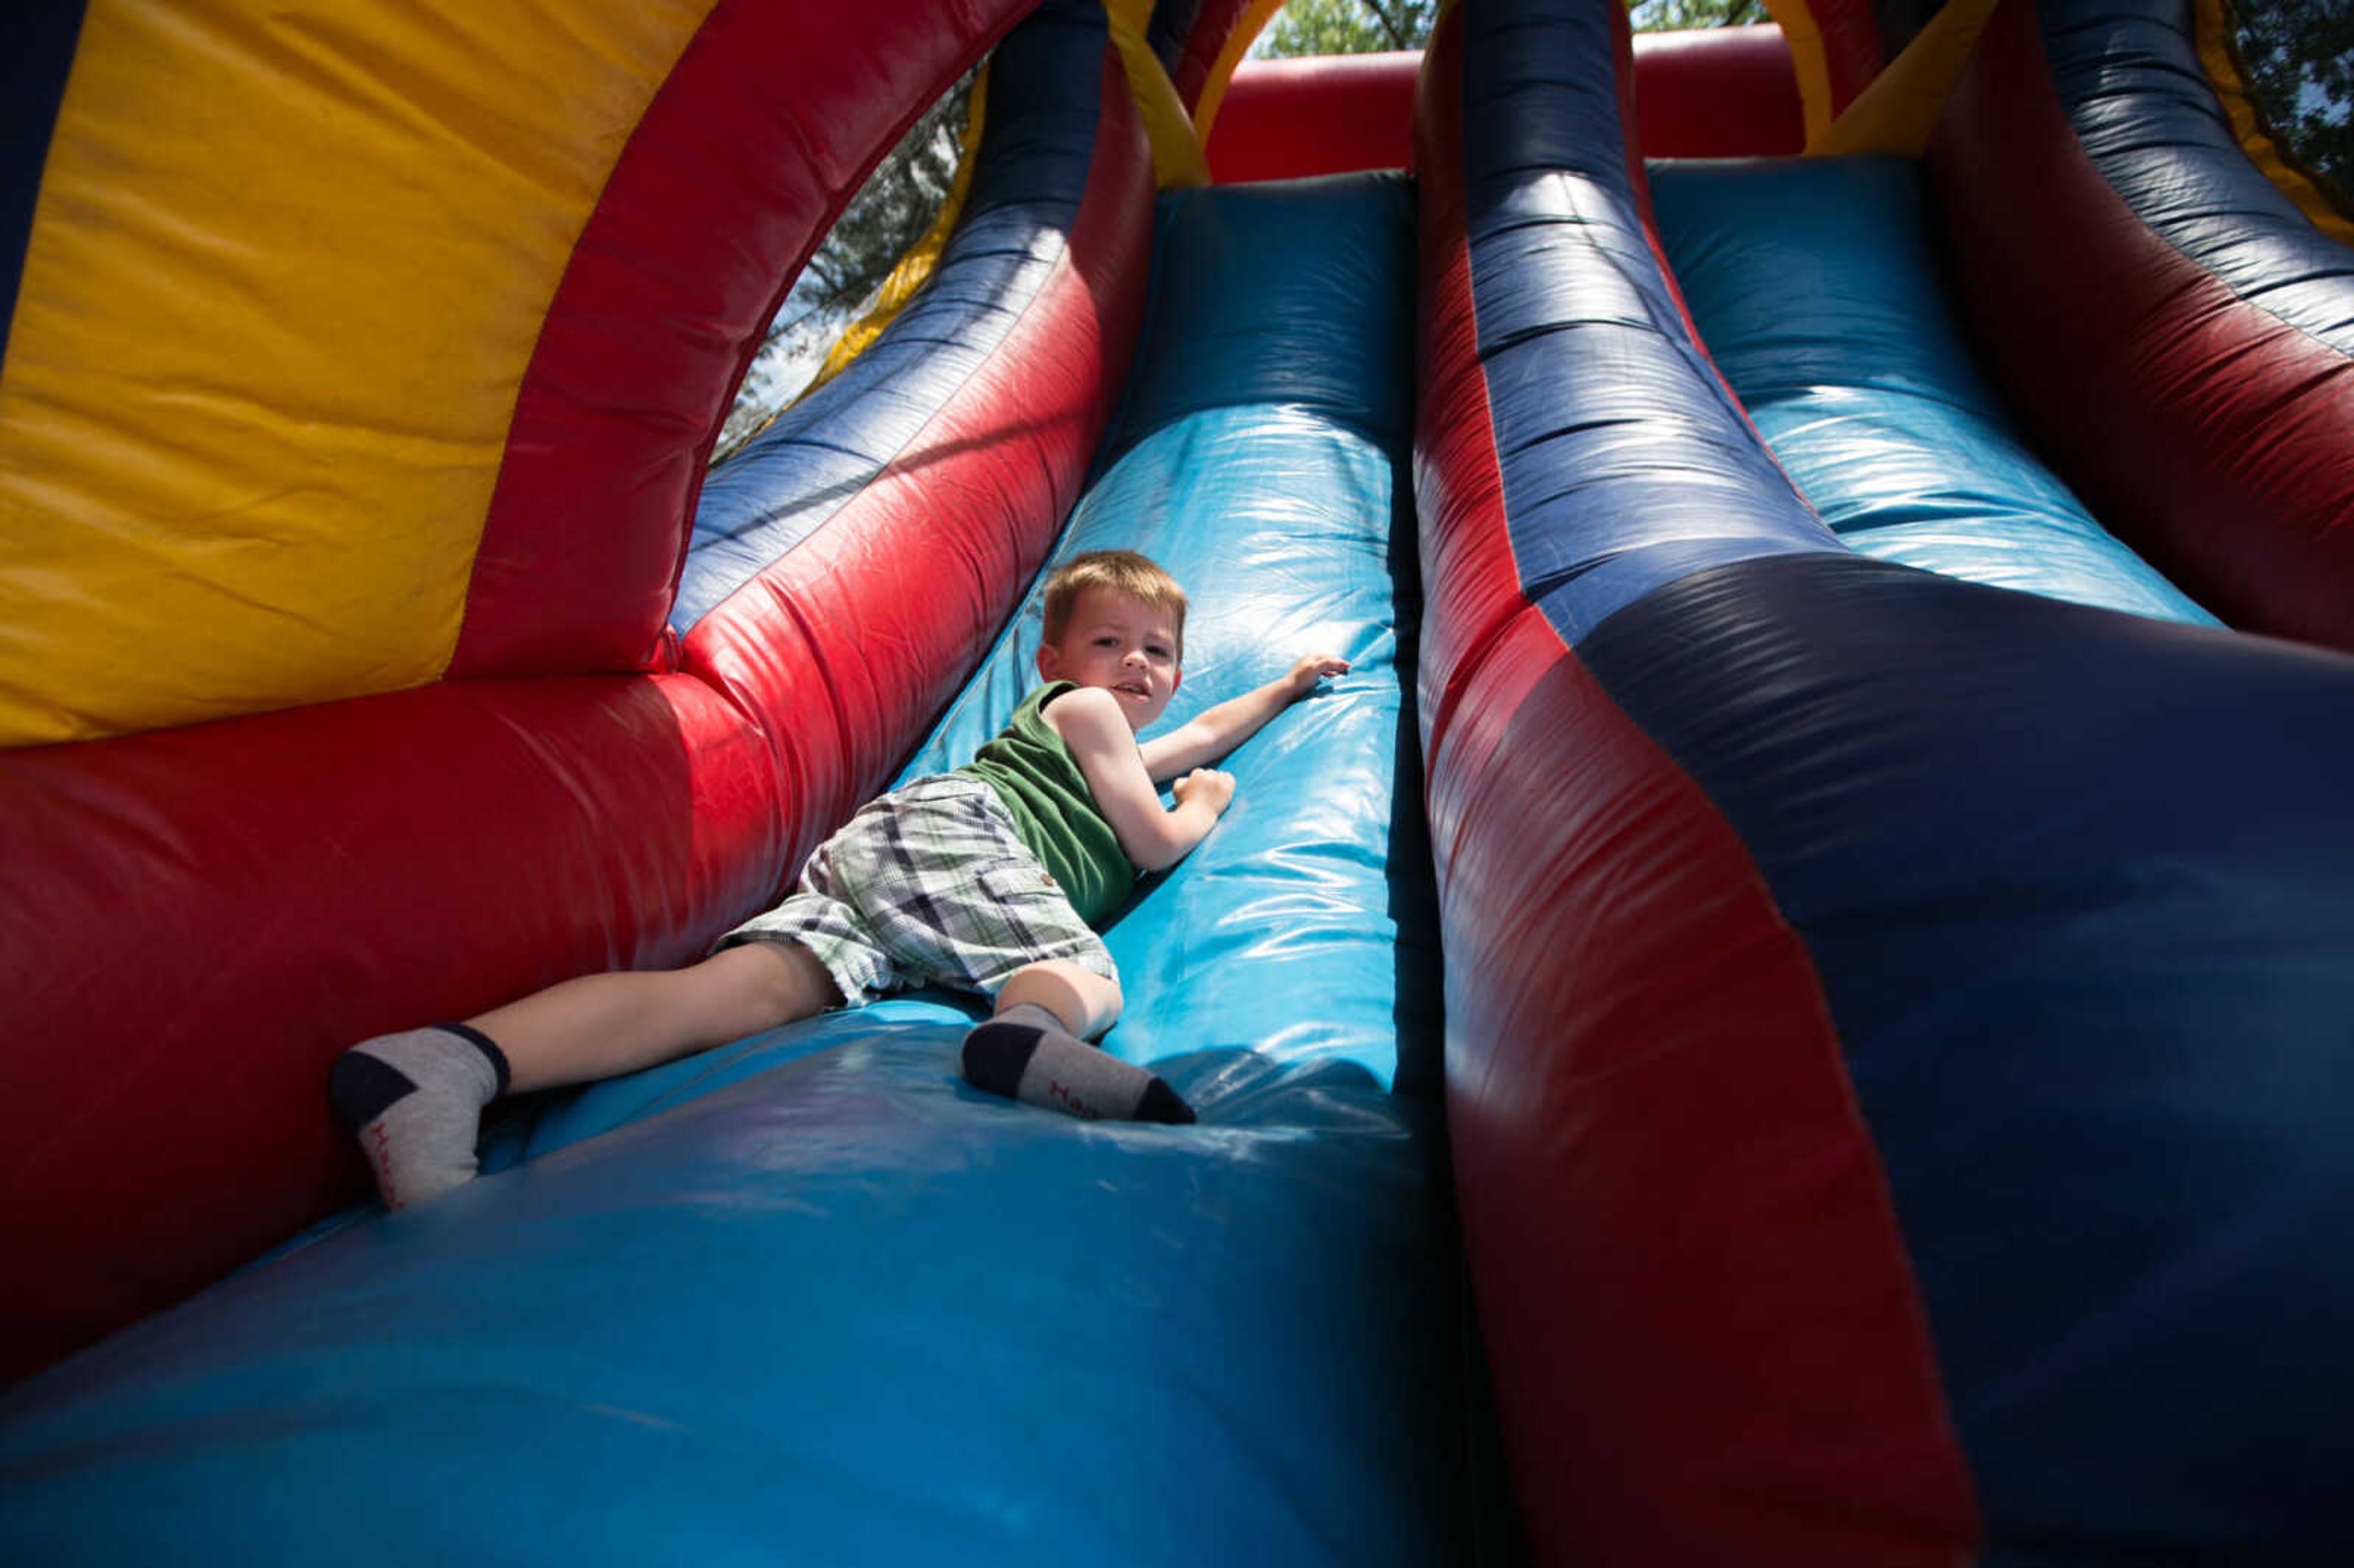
[[1024, 1054], [415, 1102]]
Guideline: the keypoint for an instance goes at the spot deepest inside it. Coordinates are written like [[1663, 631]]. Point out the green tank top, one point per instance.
[[1055, 812]]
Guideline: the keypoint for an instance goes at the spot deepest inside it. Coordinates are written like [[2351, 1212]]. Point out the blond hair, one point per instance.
[[1123, 572]]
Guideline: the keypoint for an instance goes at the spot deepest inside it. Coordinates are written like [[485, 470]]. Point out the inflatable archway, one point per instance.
[[1891, 1025]]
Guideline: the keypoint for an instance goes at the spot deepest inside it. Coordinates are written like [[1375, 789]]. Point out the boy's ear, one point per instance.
[[1050, 659]]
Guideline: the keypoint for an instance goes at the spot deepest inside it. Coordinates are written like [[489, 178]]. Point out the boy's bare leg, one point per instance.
[[1033, 1049], [414, 1100], [1081, 1001], [600, 1027]]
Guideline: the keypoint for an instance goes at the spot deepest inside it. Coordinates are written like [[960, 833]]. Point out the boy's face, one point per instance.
[[1120, 645]]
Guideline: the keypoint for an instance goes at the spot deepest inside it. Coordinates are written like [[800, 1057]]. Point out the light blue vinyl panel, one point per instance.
[[1816, 285]]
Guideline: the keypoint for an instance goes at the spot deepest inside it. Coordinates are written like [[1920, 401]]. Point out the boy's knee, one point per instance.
[[779, 982], [1087, 1002], [1112, 999]]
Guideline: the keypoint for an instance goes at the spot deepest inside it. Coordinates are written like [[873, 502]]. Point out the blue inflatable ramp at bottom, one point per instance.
[[809, 1298]]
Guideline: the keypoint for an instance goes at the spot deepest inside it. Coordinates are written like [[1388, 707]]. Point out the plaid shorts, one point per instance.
[[929, 885]]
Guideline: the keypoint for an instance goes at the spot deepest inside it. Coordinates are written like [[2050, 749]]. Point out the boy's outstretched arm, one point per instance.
[[1092, 725], [1213, 732]]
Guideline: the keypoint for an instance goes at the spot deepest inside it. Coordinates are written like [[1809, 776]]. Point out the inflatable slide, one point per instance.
[[1791, 1009]]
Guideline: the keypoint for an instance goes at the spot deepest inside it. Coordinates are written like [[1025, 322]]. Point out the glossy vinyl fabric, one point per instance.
[[1705, 1340], [1815, 286], [1029, 173], [294, 882], [826, 647], [672, 283], [2072, 882], [1717, 91], [1585, 346], [1895, 1086], [1708, 92], [960, 440], [290, 883], [269, 338], [2128, 73], [846, 1312], [811, 1298], [1171, 24], [2182, 371], [1285, 119], [353, 347], [1214, 22], [1281, 341]]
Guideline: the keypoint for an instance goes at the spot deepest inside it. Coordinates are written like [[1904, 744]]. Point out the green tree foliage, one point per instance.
[[1678, 15], [2300, 70], [1347, 28], [1370, 26]]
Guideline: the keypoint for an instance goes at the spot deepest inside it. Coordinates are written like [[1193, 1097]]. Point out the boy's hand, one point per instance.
[[1311, 668], [1212, 733], [1207, 785]]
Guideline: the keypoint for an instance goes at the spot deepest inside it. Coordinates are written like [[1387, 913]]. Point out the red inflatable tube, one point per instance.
[[879, 614], [1702, 1349], [223, 908], [2204, 431], [1716, 92], [1287, 119], [721, 195]]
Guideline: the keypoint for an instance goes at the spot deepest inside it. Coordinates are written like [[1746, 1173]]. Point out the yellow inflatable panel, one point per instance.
[[1178, 160], [1807, 62], [1898, 112], [284, 279]]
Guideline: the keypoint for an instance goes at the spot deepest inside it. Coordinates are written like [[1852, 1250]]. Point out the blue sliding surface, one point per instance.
[[1816, 285]]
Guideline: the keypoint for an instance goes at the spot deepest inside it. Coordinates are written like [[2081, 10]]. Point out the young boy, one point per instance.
[[990, 879]]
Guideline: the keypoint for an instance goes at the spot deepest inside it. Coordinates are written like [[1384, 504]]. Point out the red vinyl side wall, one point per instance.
[[1691, 1285], [224, 907], [931, 556], [766, 127], [1711, 93], [2206, 432]]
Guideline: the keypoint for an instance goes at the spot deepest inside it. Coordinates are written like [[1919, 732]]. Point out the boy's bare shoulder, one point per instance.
[[1084, 709], [1091, 700]]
